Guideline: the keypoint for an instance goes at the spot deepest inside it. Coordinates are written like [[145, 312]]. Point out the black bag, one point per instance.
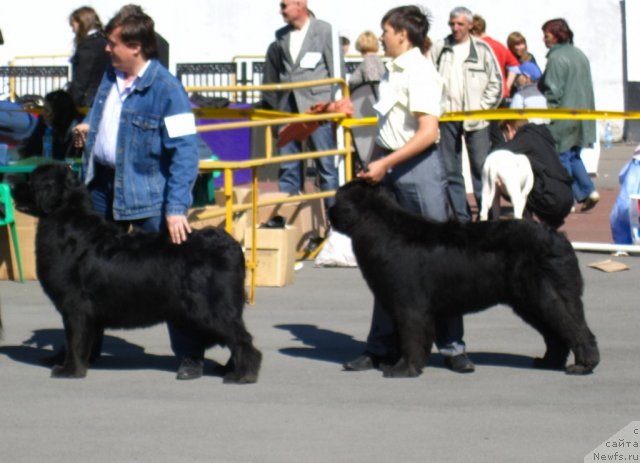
[[208, 101]]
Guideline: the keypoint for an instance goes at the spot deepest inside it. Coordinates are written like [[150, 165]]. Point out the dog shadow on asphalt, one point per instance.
[[117, 354], [330, 346]]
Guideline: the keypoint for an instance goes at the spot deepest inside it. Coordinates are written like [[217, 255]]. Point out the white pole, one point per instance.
[[337, 68], [605, 247]]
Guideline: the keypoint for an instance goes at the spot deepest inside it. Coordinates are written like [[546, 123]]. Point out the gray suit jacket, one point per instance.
[[318, 40]]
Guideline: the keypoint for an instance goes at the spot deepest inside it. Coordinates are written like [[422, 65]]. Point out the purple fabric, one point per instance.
[[230, 145]]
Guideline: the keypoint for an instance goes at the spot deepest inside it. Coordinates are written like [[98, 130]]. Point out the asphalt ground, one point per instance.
[[304, 408]]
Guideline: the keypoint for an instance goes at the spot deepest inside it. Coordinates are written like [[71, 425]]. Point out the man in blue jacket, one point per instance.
[[140, 157]]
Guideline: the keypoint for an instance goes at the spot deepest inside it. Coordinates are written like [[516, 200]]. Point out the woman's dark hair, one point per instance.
[[412, 19], [137, 27], [559, 29]]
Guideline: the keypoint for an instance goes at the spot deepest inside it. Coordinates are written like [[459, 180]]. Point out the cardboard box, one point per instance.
[[240, 195], [26, 229], [308, 217], [276, 254], [198, 219]]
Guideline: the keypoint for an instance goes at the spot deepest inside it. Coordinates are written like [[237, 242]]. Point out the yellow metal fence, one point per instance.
[[267, 120]]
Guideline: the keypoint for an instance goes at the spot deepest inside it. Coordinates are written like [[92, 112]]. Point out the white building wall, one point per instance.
[[218, 30]]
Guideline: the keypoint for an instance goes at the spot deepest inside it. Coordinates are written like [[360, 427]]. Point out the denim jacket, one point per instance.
[[154, 173]]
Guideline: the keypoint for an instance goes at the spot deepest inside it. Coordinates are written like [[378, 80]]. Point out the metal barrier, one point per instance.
[[32, 80], [210, 75], [228, 167], [244, 70]]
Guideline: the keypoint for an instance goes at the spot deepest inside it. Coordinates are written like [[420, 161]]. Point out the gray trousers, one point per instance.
[[419, 185]]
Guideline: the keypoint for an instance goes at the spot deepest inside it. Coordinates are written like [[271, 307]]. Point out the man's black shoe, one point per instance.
[[362, 363], [190, 368], [460, 363]]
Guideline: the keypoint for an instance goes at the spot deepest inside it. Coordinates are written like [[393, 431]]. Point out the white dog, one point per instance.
[[511, 174]]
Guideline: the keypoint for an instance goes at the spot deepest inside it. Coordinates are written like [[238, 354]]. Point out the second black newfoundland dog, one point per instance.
[[420, 270], [99, 277]]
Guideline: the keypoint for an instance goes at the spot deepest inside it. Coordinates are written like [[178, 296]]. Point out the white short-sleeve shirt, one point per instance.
[[411, 84]]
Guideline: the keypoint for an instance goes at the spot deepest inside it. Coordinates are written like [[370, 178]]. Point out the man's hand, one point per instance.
[[178, 227], [80, 132], [375, 173]]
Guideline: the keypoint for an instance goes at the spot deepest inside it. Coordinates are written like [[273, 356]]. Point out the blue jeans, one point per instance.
[[419, 185], [478, 143], [183, 341], [290, 175], [582, 185]]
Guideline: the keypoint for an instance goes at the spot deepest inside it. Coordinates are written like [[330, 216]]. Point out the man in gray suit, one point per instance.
[[303, 51]]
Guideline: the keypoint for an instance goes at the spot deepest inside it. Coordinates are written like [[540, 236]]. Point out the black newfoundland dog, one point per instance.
[[99, 277], [420, 270]]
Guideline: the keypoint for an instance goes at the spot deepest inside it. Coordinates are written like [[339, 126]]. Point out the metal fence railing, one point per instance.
[[244, 70], [227, 167], [210, 75], [17, 81]]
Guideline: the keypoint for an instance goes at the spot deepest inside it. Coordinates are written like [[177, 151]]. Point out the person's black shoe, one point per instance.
[[460, 363], [190, 368], [362, 363]]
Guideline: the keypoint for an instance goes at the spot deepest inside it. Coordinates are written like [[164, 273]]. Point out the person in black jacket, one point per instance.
[[551, 198], [90, 59]]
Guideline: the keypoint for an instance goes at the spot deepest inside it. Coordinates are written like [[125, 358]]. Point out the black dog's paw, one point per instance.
[[234, 378], [546, 364], [61, 371], [57, 358], [579, 370], [401, 369]]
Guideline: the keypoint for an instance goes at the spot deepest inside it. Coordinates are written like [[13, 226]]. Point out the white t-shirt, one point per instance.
[[455, 90], [411, 84], [296, 37]]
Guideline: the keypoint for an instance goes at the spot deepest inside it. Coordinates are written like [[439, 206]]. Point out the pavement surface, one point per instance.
[[304, 408]]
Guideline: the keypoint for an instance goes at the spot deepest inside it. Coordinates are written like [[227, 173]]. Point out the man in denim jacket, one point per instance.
[[140, 158]]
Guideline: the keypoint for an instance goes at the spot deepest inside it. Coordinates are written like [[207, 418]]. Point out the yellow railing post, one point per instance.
[[228, 199], [254, 234], [268, 142]]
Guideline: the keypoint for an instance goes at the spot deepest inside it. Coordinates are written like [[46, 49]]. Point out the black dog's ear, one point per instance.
[[52, 186]]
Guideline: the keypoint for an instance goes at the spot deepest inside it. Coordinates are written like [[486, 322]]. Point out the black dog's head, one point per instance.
[[354, 201], [50, 187]]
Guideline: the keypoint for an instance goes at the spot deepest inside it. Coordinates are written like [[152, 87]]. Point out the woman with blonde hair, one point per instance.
[[372, 68], [90, 58]]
